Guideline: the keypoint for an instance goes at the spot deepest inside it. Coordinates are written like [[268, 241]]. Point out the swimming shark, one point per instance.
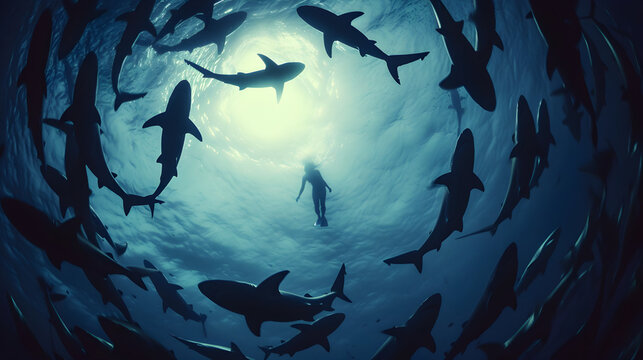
[[175, 123], [84, 116], [214, 352], [64, 242], [265, 302], [538, 263], [545, 139], [468, 68], [599, 72], [498, 295], [274, 75], [456, 105], [131, 342], [560, 27], [71, 344], [309, 335], [460, 181], [523, 156], [171, 298], [536, 329], [26, 336], [137, 22], [339, 28], [632, 92], [95, 347], [34, 78], [214, 32], [405, 340], [484, 18], [108, 292], [187, 10], [79, 14]]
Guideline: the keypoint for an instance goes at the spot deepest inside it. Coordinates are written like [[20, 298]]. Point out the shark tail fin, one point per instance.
[[123, 97], [490, 229], [395, 61], [493, 350], [338, 285], [267, 350], [412, 257]]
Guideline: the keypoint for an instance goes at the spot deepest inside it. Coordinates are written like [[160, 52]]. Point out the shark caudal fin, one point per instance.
[[395, 61], [123, 97], [412, 257], [490, 229], [494, 351], [338, 285], [130, 201]]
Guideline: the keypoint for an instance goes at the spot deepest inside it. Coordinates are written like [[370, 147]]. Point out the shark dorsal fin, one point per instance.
[[350, 16], [266, 60], [234, 348], [271, 284], [301, 327]]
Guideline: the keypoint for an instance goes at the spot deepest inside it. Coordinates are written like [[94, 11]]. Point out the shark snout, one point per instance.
[[293, 69]]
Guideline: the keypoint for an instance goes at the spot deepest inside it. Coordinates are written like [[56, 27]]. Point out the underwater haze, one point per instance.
[[231, 213]]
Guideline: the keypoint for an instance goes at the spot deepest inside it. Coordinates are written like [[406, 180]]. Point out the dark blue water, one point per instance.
[[231, 212]]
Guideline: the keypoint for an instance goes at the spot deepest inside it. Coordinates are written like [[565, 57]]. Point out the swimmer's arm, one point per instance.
[[301, 190], [326, 185]]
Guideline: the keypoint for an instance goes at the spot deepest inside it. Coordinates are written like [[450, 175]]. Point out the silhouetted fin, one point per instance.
[[498, 41], [403, 333], [235, 349], [271, 284], [395, 61], [193, 130], [157, 120], [452, 81], [123, 97], [206, 73], [254, 325], [325, 344], [328, 44], [412, 257], [175, 287], [119, 248], [338, 284], [350, 16], [279, 88], [269, 63]]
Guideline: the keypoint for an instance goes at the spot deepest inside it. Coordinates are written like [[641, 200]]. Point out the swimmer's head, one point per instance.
[[309, 166]]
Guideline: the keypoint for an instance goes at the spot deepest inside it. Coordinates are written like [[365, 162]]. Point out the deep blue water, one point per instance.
[[231, 212]]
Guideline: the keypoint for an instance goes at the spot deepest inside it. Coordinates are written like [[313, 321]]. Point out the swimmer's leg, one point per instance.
[[316, 202], [322, 201]]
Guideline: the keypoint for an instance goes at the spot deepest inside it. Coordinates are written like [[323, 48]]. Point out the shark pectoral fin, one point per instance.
[[124, 17], [498, 42], [516, 151], [396, 332], [175, 287], [476, 183], [301, 327], [280, 90], [429, 343], [325, 344], [149, 27], [445, 179], [205, 72], [271, 284], [235, 349], [350, 16], [452, 81], [266, 60], [192, 130], [157, 120], [328, 44], [254, 325], [164, 307], [529, 15], [220, 44]]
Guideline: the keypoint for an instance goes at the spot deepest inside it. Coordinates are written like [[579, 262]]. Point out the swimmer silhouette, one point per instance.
[[313, 176]]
